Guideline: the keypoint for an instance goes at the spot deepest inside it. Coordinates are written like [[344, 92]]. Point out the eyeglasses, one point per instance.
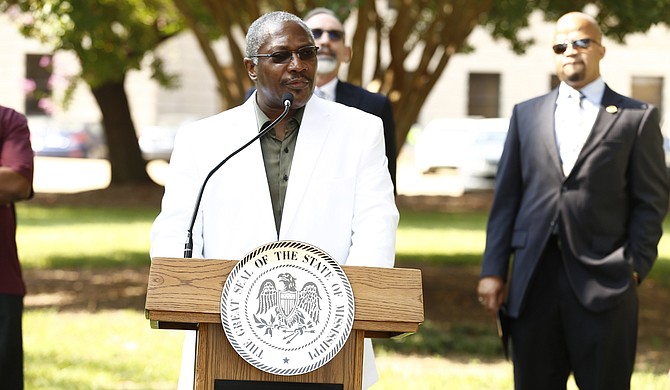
[[284, 56], [333, 35], [583, 43]]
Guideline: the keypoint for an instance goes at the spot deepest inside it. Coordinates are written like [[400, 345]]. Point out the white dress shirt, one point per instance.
[[575, 114]]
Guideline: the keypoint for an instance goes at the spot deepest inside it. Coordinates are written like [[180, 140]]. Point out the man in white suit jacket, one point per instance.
[[335, 192]]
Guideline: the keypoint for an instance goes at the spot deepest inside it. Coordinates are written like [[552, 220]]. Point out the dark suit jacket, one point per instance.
[[609, 209], [376, 104]]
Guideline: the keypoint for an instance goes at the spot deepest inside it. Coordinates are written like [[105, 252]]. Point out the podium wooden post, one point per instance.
[[186, 294]]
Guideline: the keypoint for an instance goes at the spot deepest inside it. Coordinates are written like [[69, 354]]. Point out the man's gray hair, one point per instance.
[[259, 30]]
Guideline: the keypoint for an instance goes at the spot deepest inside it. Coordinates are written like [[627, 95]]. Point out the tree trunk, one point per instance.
[[128, 166]]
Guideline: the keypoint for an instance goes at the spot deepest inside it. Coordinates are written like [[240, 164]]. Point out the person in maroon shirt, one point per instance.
[[16, 178]]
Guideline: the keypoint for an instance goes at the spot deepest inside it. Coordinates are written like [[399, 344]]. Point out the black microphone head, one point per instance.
[[287, 98]]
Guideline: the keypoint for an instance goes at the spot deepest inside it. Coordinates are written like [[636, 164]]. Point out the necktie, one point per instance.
[[579, 110]]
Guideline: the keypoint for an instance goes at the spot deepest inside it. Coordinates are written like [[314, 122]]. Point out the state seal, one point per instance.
[[287, 308]]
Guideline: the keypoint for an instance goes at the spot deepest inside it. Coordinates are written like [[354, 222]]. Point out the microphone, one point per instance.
[[287, 99]]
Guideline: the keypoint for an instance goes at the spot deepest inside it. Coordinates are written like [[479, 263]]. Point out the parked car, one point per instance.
[[481, 165], [55, 139], [157, 142], [443, 143], [471, 146]]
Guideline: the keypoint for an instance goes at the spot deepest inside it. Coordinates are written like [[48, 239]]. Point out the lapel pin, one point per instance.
[[612, 109]]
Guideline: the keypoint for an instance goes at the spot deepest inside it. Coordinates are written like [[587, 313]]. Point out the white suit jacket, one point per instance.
[[339, 196]]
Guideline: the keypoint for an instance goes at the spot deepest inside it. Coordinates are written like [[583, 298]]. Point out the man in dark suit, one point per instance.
[[580, 198], [333, 51]]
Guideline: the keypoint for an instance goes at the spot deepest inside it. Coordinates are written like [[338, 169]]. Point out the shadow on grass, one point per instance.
[[660, 272], [441, 339], [455, 259]]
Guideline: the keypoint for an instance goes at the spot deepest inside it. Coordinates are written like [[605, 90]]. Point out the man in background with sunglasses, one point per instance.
[[319, 176], [581, 195], [333, 52]]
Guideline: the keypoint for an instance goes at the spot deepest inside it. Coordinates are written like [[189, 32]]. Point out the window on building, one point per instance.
[[648, 89], [484, 95], [37, 84]]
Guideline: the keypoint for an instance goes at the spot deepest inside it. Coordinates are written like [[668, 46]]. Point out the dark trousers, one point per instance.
[[556, 335], [11, 342]]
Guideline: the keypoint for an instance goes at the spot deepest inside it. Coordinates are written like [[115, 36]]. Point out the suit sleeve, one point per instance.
[[15, 150], [649, 194], [390, 138], [506, 201], [169, 230], [16, 157]]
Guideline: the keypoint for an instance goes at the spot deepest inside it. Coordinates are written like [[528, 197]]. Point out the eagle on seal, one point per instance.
[[289, 303]]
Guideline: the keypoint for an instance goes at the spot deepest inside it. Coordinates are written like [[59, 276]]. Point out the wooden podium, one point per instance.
[[186, 294]]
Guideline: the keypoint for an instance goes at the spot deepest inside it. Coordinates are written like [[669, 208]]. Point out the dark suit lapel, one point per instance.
[[344, 95], [609, 111], [545, 110]]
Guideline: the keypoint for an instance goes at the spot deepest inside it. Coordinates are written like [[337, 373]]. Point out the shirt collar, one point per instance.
[[261, 118], [593, 92], [329, 88]]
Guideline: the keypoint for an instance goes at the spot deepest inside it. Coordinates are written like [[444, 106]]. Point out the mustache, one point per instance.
[[298, 77], [324, 51]]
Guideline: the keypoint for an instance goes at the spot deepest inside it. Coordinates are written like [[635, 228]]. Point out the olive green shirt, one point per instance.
[[277, 157]]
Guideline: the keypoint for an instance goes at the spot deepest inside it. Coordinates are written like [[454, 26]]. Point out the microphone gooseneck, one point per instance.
[[287, 99]]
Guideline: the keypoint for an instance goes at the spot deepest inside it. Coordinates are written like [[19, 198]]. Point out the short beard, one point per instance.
[[578, 76], [326, 65]]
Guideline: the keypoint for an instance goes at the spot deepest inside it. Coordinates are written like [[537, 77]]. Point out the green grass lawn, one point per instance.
[[94, 237], [64, 237], [104, 350], [459, 239], [118, 350]]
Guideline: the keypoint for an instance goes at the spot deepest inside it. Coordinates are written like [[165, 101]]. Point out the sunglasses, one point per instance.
[[333, 35], [284, 56], [583, 43]]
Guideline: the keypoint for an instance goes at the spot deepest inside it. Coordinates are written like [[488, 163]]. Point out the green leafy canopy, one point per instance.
[[110, 37]]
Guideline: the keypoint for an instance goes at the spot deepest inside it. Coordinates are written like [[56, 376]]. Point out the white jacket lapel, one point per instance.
[[247, 173], [315, 126]]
